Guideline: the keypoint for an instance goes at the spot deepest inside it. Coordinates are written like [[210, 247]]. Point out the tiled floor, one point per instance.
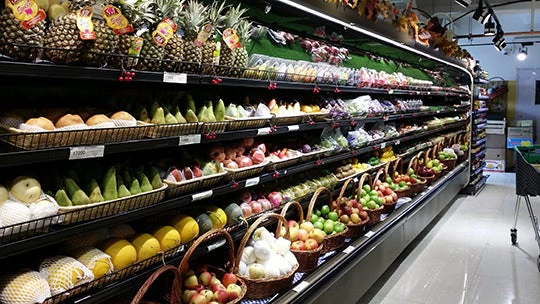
[[467, 256]]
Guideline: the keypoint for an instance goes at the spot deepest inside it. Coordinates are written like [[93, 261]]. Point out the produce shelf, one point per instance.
[[480, 81], [479, 169], [480, 111], [476, 186], [10, 159], [480, 153], [59, 234], [480, 142]]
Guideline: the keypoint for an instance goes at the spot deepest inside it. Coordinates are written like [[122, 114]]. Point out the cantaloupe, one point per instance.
[[234, 213], [204, 222], [168, 237], [186, 226], [122, 253], [146, 245]]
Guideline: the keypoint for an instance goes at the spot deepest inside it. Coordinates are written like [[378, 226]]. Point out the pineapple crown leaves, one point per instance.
[[245, 30], [194, 17], [215, 14], [233, 17], [151, 12]]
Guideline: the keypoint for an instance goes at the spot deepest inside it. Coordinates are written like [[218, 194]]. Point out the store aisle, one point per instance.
[[467, 256]]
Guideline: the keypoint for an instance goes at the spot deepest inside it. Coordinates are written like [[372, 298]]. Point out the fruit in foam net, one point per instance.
[[94, 259], [23, 287], [3, 194], [25, 189]]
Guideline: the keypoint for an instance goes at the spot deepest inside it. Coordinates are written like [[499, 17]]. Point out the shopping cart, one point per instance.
[[527, 184]]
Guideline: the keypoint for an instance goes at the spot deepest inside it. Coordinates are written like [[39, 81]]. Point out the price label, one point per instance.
[[263, 131], [86, 152], [355, 180], [348, 249], [430, 187], [383, 145], [391, 92], [422, 193], [294, 128], [189, 139], [169, 77], [397, 142], [369, 234], [202, 195], [438, 111], [252, 182], [301, 286]]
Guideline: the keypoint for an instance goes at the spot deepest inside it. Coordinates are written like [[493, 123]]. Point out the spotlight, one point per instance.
[[478, 12], [489, 28], [464, 3], [486, 17], [498, 41], [522, 55]]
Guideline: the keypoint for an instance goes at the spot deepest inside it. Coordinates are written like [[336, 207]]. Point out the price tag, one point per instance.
[[189, 139], [438, 111], [348, 249], [294, 128], [397, 142], [201, 195], [263, 131], [252, 182], [369, 234], [391, 92], [383, 145], [422, 193], [169, 77], [301, 286], [430, 187], [355, 180], [86, 152]]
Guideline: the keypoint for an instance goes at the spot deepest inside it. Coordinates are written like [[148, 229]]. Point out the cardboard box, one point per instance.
[[495, 166], [519, 136]]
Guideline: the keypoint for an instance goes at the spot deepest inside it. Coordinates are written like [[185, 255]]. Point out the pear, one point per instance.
[[202, 115], [232, 111], [155, 178], [179, 116], [210, 112], [191, 117], [170, 119], [241, 111], [296, 107], [144, 182], [159, 117], [153, 108], [94, 191], [190, 103], [77, 195], [122, 189], [109, 186], [135, 187], [62, 198], [219, 112]]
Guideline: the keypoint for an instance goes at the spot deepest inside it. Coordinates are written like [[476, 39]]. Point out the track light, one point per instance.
[[487, 16], [498, 41], [482, 15], [522, 55], [489, 28], [464, 3]]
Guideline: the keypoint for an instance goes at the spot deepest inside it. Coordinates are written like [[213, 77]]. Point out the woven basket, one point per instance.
[[175, 188], [333, 241], [247, 123], [305, 157], [386, 208], [419, 186], [277, 164], [352, 229], [229, 266], [287, 120], [175, 295], [391, 171], [214, 127], [168, 130], [462, 140], [307, 259], [72, 214], [242, 173], [263, 288], [425, 154], [450, 163]]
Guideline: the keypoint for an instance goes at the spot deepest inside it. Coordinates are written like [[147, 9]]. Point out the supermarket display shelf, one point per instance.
[[480, 111], [67, 232], [480, 81], [481, 126], [357, 246], [479, 169], [480, 141], [480, 153], [10, 159], [46, 70], [476, 186]]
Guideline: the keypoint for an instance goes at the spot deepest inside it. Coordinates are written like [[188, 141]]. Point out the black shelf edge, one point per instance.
[[480, 111], [480, 153], [480, 81], [67, 232], [11, 159], [475, 188], [480, 142]]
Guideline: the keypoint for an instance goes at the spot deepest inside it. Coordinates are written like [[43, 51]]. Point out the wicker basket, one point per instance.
[[462, 140], [263, 288], [449, 163], [242, 173], [305, 157], [421, 184], [333, 241], [390, 171], [175, 295], [277, 164], [214, 127], [72, 214], [177, 188], [168, 130], [307, 259], [287, 120], [318, 116], [425, 154], [247, 123], [230, 264], [353, 229], [67, 138], [386, 207]]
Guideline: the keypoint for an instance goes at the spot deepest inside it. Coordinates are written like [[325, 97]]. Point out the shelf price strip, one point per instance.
[[301, 286], [252, 182], [169, 77], [202, 195], [86, 152], [189, 139]]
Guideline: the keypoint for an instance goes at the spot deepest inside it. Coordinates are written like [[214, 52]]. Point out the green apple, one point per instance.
[[325, 210], [333, 216], [366, 188], [328, 227], [313, 218]]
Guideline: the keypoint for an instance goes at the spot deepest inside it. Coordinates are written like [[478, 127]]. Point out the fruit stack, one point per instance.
[[265, 263], [253, 203], [349, 210], [213, 217], [190, 178], [327, 220], [421, 168], [307, 241], [448, 157], [373, 197], [207, 284]]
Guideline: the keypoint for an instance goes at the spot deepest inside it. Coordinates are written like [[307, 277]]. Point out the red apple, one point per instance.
[[191, 282], [275, 198], [233, 291], [311, 244], [387, 191], [347, 210], [388, 199], [256, 206], [303, 235], [208, 294], [187, 294], [218, 286], [198, 299], [247, 211], [199, 288], [177, 175], [394, 196], [318, 235], [354, 203], [229, 278], [293, 223], [298, 245], [221, 296], [205, 278]]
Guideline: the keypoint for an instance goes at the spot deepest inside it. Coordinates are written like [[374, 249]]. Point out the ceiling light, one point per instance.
[[522, 55], [489, 28], [486, 17], [498, 41], [464, 3]]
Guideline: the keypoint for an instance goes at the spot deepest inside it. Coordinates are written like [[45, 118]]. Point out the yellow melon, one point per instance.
[[122, 253], [168, 237], [187, 226], [217, 216], [146, 245]]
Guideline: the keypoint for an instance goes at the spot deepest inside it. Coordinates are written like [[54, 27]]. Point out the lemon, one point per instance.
[[168, 237], [122, 253], [186, 226], [146, 246]]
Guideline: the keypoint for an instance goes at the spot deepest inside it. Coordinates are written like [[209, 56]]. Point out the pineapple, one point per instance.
[[240, 55], [174, 50], [155, 12], [216, 18], [134, 15], [14, 33], [96, 52], [232, 20], [62, 36], [193, 18]]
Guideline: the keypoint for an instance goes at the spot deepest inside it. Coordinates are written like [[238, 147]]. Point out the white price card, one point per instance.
[[383, 145], [301, 286], [348, 249], [252, 182], [189, 139], [174, 77], [294, 128], [86, 152], [263, 131], [422, 193], [355, 180], [430, 187], [201, 195], [397, 142], [369, 234]]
